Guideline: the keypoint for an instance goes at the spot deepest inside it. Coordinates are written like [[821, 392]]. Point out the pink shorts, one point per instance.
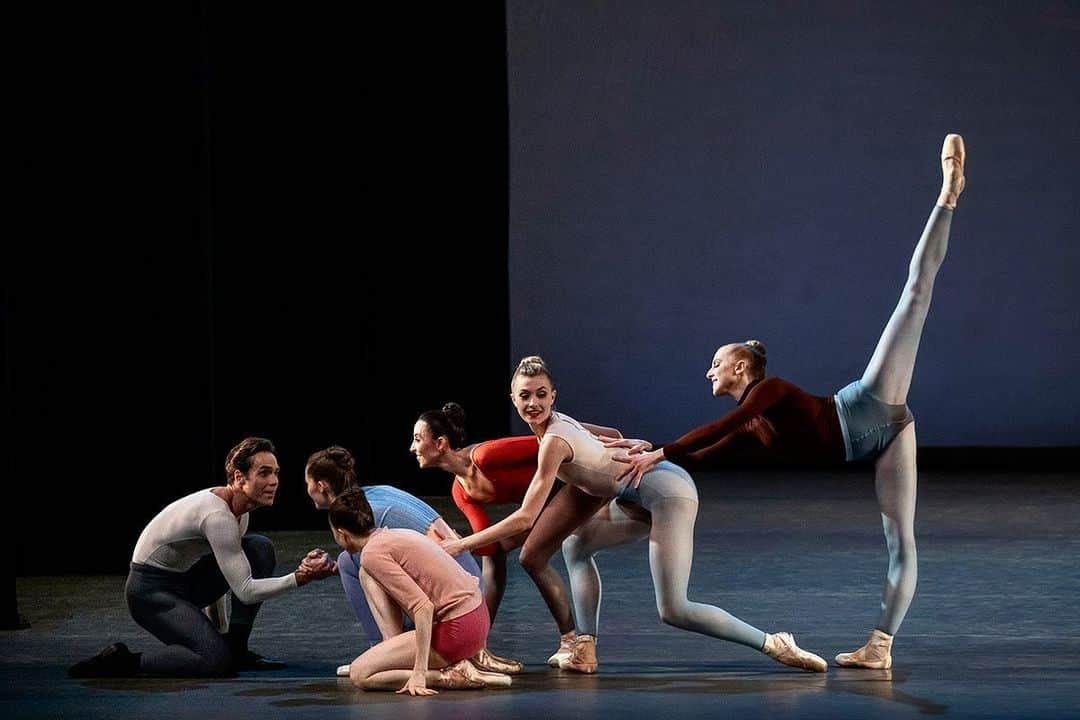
[[461, 637]]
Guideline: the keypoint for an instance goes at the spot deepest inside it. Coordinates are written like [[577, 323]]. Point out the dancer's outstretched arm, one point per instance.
[[700, 444], [553, 452]]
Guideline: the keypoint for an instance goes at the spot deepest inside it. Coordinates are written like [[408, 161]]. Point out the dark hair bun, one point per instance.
[[454, 413], [341, 457]]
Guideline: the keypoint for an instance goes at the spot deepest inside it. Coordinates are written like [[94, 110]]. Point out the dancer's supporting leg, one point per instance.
[[569, 509], [895, 484], [610, 527], [493, 571], [888, 377]]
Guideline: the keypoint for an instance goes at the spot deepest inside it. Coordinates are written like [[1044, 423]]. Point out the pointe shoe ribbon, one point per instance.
[[782, 648], [876, 654], [583, 657], [462, 675], [487, 661], [566, 649]]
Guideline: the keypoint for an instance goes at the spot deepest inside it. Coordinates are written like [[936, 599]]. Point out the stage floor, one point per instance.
[[993, 631]]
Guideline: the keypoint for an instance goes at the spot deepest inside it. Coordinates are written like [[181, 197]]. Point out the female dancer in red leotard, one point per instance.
[[493, 472]]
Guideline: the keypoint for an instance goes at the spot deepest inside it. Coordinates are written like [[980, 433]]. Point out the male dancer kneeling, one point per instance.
[[404, 570], [189, 555]]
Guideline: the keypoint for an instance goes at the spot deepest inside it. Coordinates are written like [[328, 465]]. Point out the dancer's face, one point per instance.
[[725, 371], [533, 398], [426, 448], [343, 538], [260, 484], [318, 491]]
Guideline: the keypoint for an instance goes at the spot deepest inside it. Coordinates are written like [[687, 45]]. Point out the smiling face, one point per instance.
[[426, 448], [260, 483], [725, 370], [533, 397]]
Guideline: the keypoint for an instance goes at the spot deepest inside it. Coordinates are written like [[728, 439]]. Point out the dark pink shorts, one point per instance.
[[463, 636]]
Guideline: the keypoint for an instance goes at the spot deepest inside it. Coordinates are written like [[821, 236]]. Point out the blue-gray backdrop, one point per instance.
[[684, 174]]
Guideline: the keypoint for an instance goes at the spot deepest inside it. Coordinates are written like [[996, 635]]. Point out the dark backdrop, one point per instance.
[[690, 173], [244, 221], [205, 191]]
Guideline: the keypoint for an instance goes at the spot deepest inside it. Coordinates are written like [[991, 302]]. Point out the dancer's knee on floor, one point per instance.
[[359, 672], [216, 665]]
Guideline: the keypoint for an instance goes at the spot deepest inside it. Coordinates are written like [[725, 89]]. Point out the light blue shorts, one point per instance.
[[869, 424], [666, 480]]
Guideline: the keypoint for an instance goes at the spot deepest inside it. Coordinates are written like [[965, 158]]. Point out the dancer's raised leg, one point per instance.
[[888, 374]]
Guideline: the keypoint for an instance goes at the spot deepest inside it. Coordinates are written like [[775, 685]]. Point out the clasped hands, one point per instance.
[[316, 565]]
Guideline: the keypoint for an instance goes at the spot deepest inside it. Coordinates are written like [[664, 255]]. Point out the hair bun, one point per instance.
[[757, 346], [341, 457], [532, 360], [454, 413]]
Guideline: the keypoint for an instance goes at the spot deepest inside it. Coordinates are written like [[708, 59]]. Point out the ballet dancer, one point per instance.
[[404, 569], [867, 420], [186, 558]]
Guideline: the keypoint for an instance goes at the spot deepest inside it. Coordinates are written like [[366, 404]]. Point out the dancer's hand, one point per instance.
[[454, 546], [417, 685], [318, 559], [308, 571], [639, 465], [633, 447]]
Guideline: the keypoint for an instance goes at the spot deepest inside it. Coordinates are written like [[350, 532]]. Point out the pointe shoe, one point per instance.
[[495, 680], [953, 156], [343, 670], [583, 657], [782, 648], [566, 648], [487, 661], [462, 675], [876, 654]]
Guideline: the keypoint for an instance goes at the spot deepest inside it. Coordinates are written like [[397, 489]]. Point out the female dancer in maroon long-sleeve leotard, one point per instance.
[[867, 420]]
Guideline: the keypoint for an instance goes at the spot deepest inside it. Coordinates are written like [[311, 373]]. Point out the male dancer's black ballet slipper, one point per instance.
[[251, 661], [114, 661]]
